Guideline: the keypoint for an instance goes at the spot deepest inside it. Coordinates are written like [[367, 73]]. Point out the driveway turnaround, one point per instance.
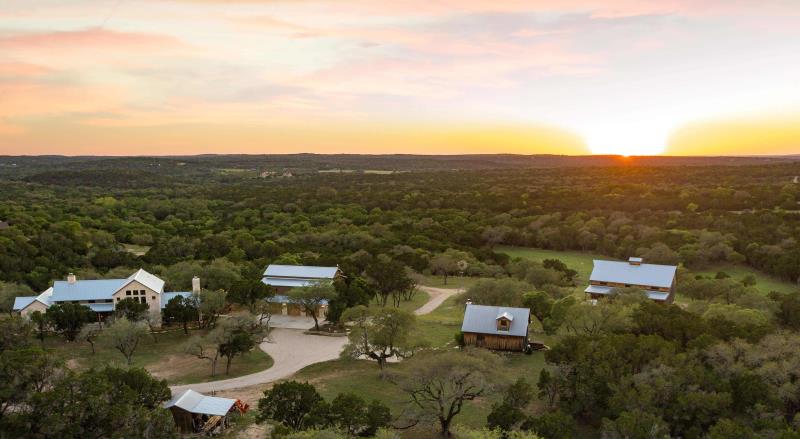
[[293, 350]]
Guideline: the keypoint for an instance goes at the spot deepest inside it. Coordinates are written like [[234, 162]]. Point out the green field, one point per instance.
[[582, 263], [364, 379], [165, 358], [454, 282]]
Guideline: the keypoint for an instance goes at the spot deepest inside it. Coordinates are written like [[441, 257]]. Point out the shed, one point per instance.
[[194, 412], [496, 327], [657, 281]]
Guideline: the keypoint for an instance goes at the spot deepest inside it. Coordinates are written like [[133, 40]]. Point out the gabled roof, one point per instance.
[[100, 289], [301, 271], [21, 303], [482, 319], [653, 275], [195, 402], [149, 280]]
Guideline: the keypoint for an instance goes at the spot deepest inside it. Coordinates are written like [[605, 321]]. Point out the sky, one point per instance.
[[173, 77]]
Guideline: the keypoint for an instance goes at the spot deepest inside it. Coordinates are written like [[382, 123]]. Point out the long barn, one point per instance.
[[496, 327]]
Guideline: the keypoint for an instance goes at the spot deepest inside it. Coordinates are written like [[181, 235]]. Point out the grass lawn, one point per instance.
[[764, 282], [164, 359], [417, 301], [454, 282], [363, 378]]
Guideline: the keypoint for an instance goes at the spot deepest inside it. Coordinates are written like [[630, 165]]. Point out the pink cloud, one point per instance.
[[92, 37]]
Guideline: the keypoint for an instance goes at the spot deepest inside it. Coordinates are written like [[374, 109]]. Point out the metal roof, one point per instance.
[[149, 280], [64, 291], [626, 273], [301, 271], [166, 297], [23, 301], [598, 289], [101, 289], [195, 402], [482, 319]]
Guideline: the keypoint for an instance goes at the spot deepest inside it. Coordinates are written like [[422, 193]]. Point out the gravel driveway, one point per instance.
[[293, 350]]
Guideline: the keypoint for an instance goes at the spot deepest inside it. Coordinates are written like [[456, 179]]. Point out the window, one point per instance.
[[91, 301], [153, 297], [117, 299], [128, 292]]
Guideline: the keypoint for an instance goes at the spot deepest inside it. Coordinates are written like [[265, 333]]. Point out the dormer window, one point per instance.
[[504, 321]]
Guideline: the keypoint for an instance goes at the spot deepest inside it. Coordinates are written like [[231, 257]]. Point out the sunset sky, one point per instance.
[[141, 77]]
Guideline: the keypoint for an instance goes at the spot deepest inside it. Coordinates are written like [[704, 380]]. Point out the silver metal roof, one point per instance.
[[598, 289], [44, 297], [483, 319], [101, 289], [291, 283], [64, 291], [625, 273], [101, 307], [301, 271], [22, 301], [195, 402]]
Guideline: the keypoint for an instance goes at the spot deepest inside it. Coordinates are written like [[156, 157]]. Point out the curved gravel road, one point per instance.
[[293, 350]]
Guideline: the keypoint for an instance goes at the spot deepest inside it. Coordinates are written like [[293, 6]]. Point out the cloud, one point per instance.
[[86, 38]]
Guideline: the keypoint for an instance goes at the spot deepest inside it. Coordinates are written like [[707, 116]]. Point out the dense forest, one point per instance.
[[720, 364], [91, 217]]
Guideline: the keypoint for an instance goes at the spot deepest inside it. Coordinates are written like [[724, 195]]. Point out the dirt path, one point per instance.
[[438, 296], [293, 350]]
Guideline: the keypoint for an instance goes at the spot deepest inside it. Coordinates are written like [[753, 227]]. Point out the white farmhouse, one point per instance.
[[102, 295]]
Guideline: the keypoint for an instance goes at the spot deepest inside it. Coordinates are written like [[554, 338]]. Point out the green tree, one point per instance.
[[311, 298], [183, 310], [89, 334], [40, 321], [635, 424], [509, 412], [211, 305], [131, 309], [69, 318], [289, 403], [355, 417], [439, 383], [350, 291], [8, 292], [125, 336], [379, 334], [248, 292]]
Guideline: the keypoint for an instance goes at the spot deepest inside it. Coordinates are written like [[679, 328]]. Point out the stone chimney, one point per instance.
[[635, 261], [195, 284], [71, 279]]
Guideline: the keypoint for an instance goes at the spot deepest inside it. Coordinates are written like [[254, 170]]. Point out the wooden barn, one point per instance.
[[496, 327]]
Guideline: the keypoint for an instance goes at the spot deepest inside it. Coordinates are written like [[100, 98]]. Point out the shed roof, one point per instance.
[[196, 402], [301, 271], [597, 289], [482, 319], [626, 273]]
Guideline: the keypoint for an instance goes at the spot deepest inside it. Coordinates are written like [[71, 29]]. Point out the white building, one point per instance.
[[102, 295]]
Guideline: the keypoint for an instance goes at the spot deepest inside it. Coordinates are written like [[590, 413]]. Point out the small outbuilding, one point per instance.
[[194, 412], [496, 327]]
